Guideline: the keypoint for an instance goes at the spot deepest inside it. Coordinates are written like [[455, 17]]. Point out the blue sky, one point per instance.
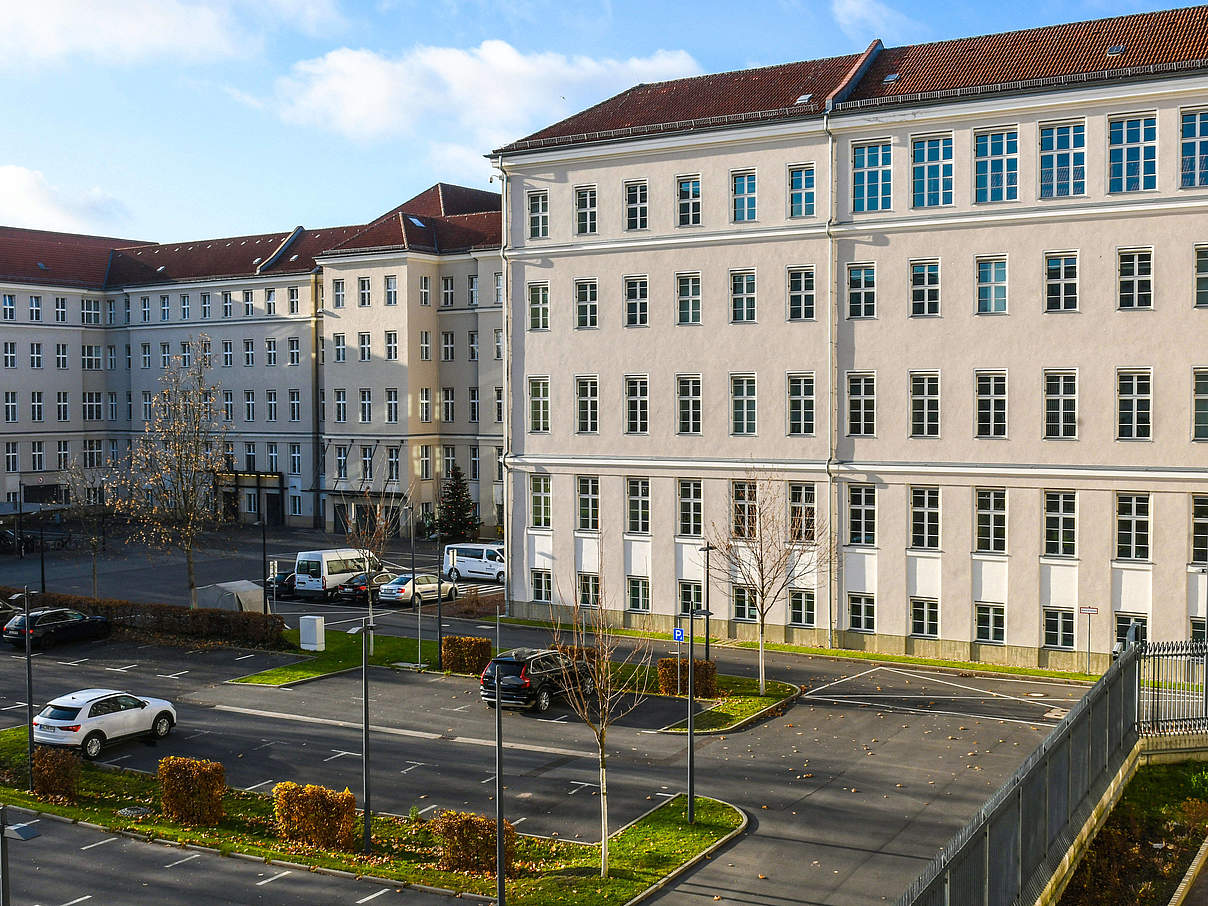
[[187, 119]]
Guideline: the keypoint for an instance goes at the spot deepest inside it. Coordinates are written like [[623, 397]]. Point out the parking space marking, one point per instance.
[[1010, 720], [414, 765], [518, 820], [121, 669], [177, 675], [373, 896], [116, 760], [198, 733], [462, 708], [99, 843], [183, 861], [86, 896], [13, 707], [489, 778], [265, 745], [273, 878], [73, 663], [843, 679], [256, 786], [561, 718], [580, 785], [22, 657], [244, 657], [340, 753], [428, 809], [984, 692]]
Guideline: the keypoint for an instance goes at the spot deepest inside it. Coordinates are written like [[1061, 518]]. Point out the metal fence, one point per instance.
[[1007, 853], [1173, 697]]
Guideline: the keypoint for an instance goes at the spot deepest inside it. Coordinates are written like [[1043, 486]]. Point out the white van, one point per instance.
[[474, 561], [318, 573]]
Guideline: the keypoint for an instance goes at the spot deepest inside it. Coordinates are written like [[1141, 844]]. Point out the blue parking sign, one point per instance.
[[678, 635]]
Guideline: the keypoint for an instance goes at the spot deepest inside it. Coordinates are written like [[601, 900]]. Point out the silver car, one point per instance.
[[402, 590], [93, 718]]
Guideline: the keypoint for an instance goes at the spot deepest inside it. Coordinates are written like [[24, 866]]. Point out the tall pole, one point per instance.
[[419, 602], [263, 543], [708, 610], [691, 708], [42, 553], [499, 856], [29, 689], [440, 597], [366, 626], [5, 893]]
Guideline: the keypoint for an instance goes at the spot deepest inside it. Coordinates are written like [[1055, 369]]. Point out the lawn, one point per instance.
[[546, 871], [741, 701], [343, 651]]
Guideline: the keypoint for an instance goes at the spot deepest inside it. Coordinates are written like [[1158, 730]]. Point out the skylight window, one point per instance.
[[416, 221], [256, 260], [1116, 49], [804, 99], [892, 77]]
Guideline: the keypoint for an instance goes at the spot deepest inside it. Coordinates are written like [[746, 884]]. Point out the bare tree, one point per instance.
[[170, 490], [606, 677], [774, 542], [375, 519], [85, 486]]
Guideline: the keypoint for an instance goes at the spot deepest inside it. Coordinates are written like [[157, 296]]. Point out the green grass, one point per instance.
[[741, 702], [547, 871], [343, 651]]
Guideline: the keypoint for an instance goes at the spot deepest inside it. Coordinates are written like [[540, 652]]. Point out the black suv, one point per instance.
[[53, 626], [531, 677]]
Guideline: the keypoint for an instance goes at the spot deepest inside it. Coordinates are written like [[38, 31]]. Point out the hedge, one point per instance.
[[192, 790], [315, 815], [704, 683], [467, 842], [465, 653], [56, 772], [234, 627]]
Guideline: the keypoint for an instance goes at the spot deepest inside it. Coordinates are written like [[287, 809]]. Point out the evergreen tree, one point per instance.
[[456, 514]]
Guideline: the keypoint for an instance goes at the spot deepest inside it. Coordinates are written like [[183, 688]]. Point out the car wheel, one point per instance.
[[92, 745], [415, 601], [452, 595], [454, 575], [499, 577], [162, 726], [543, 701], [47, 642], [589, 687]]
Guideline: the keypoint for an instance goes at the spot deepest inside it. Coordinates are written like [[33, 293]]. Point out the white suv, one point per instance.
[[93, 718]]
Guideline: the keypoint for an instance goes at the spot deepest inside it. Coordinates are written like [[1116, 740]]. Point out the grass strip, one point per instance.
[[547, 871], [343, 651], [742, 702]]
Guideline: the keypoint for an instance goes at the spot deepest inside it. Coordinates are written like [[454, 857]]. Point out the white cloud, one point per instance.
[[28, 200], [863, 20], [458, 102]]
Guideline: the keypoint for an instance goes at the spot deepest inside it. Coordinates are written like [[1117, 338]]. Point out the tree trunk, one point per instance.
[[762, 677], [603, 815], [192, 579]]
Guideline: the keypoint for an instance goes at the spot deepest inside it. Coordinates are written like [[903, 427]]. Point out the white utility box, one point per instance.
[[312, 634]]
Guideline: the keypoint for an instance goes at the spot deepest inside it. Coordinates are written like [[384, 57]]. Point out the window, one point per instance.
[[498, 344], [1060, 523], [924, 288], [744, 500], [10, 307], [448, 346], [249, 405], [801, 513], [636, 206], [585, 210], [1132, 526], [425, 462], [589, 589], [1199, 529], [341, 462], [637, 405], [61, 356], [391, 345], [1060, 405], [35, 355], [1061, 282], [498, 404], [538, 306], [1194, 134], [1062, 160], [425, 404], [62, 406], [165, 307], [924, 405], [861, 405], [925, 617], [425, 290], [991, 622], [742, 296], [341, 347], [800, 395], [270, 399], [364, 347], [450, 458], [932, 171], [862, 613], [538, 215], [292, 292], [991, 285], [688, 297], [392, 405], [539, 501], [996, 166], [691, 597], [1201, 278], [862, 514], [587, 312], [364, 293], [248, 306], [1124, 621], [10, 354], [337, 293], [35, 307], [925, 518], [10, 406], [366, 408], [446, 292], [743, 186], [205, 306], [742, 404], [1132, 153], [341, 405], [637, 313], [11, 459], [1134, 402], [691, 507], [991, 404], [37, 455], [589, 503], [745, 608], [90, 357], [1136, 280], [148, 410], [689, 404], [227, 305], [1058, 628], [499, 288], [447, 404], [542, 581], [801, 191], [861, 291], [90, 311], [425, 346], [587, 394], [295, 405], [63, 454], [35, 406], [92, 408], [1199, 426], [638, 588], [688, 199], [539, 405], [991, 506], [802, 611], [871, 180]]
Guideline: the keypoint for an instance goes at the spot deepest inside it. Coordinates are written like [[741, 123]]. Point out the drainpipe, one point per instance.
[[832, 412], [506, 379]]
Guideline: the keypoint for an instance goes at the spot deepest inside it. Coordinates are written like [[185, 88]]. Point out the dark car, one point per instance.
[[49, 627], [282, 585], [531, 678], [360, 586]]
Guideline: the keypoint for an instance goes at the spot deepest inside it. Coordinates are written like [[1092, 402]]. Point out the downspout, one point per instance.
[[318, 518], [833, 379], [508, 549]]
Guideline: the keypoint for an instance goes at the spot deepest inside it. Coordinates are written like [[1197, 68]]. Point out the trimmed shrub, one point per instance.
[[467, 842], [56, 772], [705, 681], [315, 815], [192, 790], [233, 627], [465, 653]]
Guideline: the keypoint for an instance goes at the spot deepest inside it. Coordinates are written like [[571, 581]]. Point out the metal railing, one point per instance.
[[1173, 697]]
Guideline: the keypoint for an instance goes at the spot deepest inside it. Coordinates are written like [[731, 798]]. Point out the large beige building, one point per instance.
[[352, 360], [954, 296]]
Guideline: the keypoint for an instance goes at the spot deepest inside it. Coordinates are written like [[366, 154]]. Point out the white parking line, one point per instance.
[[73, 663], [273, 878], [198, 733], [13, 707], [428, 809], [340, 753], [256, 786], [1010, 720], [579, 786], [121, 669], [462, 708], [244, 657], [184, 860], [264, 745], [116, 760], [86, 896], [944, 682], [172, 675], [414, 765], [518, 820], [99, 843], [842, 680], [561, 718], [373, 896], [489, 778]]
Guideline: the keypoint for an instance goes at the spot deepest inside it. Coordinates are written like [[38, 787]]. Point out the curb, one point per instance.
[[297, 682], [699, 857], [1193, 872], [733, 728]]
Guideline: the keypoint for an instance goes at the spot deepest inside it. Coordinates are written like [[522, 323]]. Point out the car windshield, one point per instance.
[[17, 622], [310, 568], [60, 712], [358, 580], [504, 668]]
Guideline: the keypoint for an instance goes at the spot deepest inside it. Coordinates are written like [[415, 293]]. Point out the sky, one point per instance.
[[166, 120]]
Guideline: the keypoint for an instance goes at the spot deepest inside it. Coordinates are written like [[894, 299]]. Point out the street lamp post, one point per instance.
[[263, 543], [363, 631], [42, 554], [692, 615], [440, 597], [707, 548], [29, 684], [500, 865]]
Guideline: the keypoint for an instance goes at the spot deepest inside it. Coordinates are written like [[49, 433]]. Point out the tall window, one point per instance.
[[691, 597], [425, 404], [689, 404], [589, 503], [687, 190], [861, 405], [585, 210], [391, 345], [991, 285], [587, 393], [1132, 526], [991, 620], [871, 180], [801, 191], [638, 588], [1061, 282], [539, 306], [637, 304], [991, 505], [744, 499], [472, 400], [924, 405], [800, 397], [637, 405], [861, 291], [589, 589], [636, 206], [1060, 404], [1199, 425], [932, 171], [688, 298], [925, 617], [391, 405], [745, 607], [587, 313], [1062, 160], [743, 185], [924, 288], [1060, 523], [991, 404], [425, 290], [249, 307], [1134, 403], [691, 507], [390, 286], [1136, 279], [925, 518], [1132, 153], [538, 215], [447, 293], [472, 289], [996, 166], [1199, 529], [861, 514], [1058, 628], [801, 293], [742, 296], [862, 613], [638, 509], [1194, 162], [802, 514], [539, 404], [448, 346], [742, 398], [540, 505], [364, 346], [448, 404]]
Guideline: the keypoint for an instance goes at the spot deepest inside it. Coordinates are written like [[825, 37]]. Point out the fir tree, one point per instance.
[[456, 514]]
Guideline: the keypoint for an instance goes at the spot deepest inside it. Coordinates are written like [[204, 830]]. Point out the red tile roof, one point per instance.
[[59, 259], [444, 199], [469, 219]]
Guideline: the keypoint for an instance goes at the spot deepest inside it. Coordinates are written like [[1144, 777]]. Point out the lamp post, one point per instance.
[[707, 548], [440, 597], [263, 543], [500, 865], [29, 684], [42, 553], [692, 615], [363, 631]]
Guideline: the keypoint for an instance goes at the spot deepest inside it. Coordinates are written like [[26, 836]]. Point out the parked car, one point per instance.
[[319, 573], [402, 590], [362, 585], [532, 678], [49, 627], [282, 584], [476, 561], [93, 718]]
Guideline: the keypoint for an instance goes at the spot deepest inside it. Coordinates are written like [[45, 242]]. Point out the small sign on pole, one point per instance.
[[1089, 611], [678, 635]]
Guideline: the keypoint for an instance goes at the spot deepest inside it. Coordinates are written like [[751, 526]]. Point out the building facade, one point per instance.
[[951, 296]]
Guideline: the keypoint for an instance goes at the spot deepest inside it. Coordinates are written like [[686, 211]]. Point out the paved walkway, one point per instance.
[[1198, 895]]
